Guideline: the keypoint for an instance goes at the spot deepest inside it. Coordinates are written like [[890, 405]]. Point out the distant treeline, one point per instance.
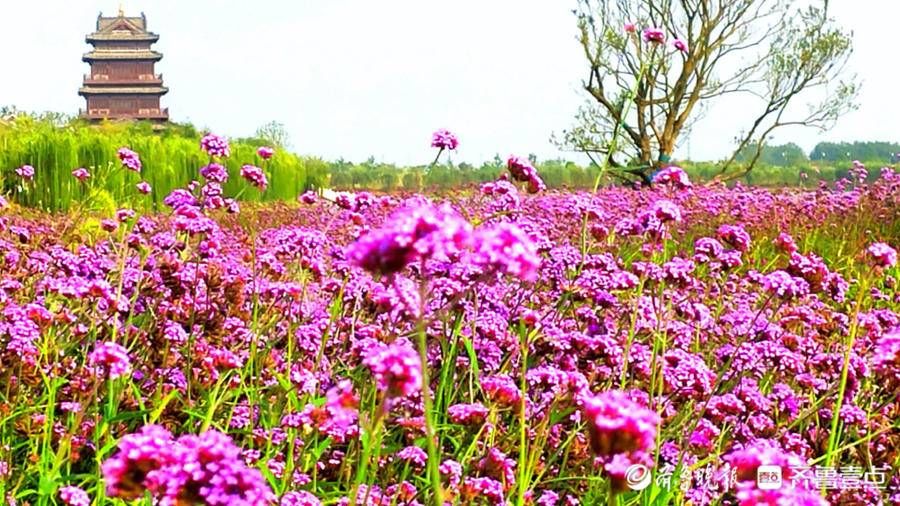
[[791, 155], [172, 158]]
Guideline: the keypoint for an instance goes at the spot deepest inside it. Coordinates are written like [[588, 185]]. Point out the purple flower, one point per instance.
[[397, 369], [265, 152], [417, 231], [674, 175], [74, 496], [444, 139], [507, 249], [204, 469], [785, 243], [467, 414], [308, 197], [783, 285], [882, 254], [255, 176], [680, 45], [618, 425], [536, 184], [81, 174], [666, 210], [520, 168], [143, 187], [655, 35], [299, 498], [26, 172], [735, 236], [130, 159], [139, 463], [413, 455], [214, 172], [886, 357], [111, 357], [630, 28], [180, 197], [123, 215], [215, 145]]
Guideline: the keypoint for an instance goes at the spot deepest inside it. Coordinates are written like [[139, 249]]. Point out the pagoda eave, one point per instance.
[[105, 37], [123, 90], [121, 55]]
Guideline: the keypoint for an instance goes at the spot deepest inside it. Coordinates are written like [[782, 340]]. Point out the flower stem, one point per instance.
[[433, 472]]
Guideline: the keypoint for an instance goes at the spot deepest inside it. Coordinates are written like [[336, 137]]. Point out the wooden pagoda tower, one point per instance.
[[122, 83]]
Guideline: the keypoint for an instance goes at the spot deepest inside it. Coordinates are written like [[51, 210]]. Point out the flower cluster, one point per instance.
[[255, 176], [397, 369], [444, 139], [206, 469], [81, 174], [215, 145], [265, 152], [130, 160], [418, 231], [522, 170]]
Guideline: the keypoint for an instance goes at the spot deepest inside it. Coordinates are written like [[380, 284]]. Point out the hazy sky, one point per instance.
[[353, 78]]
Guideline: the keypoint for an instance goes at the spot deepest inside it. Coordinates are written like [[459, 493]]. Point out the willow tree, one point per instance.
[[654, 67]]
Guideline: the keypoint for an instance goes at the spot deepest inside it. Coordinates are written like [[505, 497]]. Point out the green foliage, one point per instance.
[[884, 152], [783, 155], [172, 158], [170, 154]]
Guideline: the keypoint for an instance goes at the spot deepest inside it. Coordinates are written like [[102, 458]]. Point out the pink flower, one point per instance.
[[655, 35], [74, 496], [467, 414], [111, 357], [673, 175], [882, 254], [124, 215], [215, 145], [618, 425], [26, 172], [300, 498], [444, 139], [397, 369], [782, 284], [308, 197], [81, 174], [144, 187], [520, 168], [666, 210], [265, 152], [680, 45], [505, 248], [208, 468], [130, 159], [630, 28], [785, 243], [417, 231], [255, 176], [214, 172]]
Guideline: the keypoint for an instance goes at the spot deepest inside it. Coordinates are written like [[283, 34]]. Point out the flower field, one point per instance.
[[510, 345]]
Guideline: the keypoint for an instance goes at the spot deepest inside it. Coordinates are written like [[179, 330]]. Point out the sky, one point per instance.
[[357, 78]]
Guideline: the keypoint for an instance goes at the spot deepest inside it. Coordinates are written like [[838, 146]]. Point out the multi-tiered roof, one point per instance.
[[122, 83]]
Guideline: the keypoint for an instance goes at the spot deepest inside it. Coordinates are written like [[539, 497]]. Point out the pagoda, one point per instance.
[[122, 83]]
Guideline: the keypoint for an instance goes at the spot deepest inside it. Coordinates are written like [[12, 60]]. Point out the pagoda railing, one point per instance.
[[97, 114], [106, 79]]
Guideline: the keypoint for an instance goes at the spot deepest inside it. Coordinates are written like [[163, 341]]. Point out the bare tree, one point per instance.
[[644, 93]]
